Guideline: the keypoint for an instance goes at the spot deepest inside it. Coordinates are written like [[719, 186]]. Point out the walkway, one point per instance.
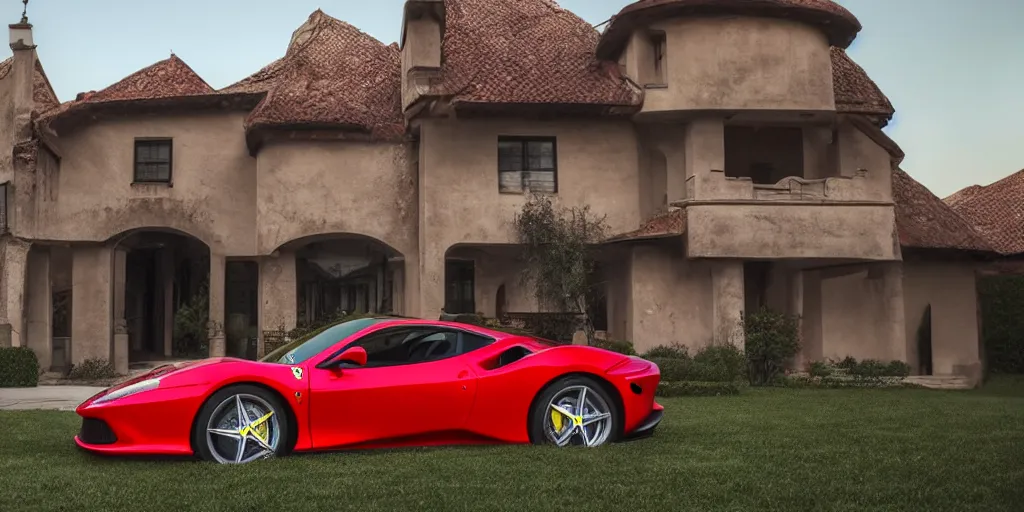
[[61, 398]]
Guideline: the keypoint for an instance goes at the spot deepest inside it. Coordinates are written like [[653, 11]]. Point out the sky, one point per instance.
[[953, 69]]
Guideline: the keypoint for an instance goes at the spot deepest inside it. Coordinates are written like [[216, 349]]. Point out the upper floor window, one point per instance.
[[3, 207], [153, 160], [658, 43], [527, 164]]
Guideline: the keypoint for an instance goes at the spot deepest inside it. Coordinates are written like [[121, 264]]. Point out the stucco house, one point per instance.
[[735, 148]]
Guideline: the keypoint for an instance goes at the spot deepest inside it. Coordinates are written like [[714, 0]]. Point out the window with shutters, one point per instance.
[[3, 206], [527, 164], [153, 160]]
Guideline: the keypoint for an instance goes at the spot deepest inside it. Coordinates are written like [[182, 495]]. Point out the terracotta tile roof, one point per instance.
[[997, 210], [333, 75], [169, 78], [923, 221], [42, 92], [839, 24], [855, 92], [663, 225], [525, 52]]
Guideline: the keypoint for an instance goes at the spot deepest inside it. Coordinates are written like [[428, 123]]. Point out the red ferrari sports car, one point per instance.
[[378, 382]]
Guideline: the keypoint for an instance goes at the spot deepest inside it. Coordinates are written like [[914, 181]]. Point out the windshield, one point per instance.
[[302, 349]]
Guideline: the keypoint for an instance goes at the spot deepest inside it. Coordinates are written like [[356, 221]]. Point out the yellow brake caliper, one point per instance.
[[556, 420]]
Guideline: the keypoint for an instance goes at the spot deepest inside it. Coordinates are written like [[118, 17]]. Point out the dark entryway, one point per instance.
[[459, 285]]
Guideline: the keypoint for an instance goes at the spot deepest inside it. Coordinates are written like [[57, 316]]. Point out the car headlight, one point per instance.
[[138, 387]]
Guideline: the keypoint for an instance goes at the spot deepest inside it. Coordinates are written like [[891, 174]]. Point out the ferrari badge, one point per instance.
[[297, 372]]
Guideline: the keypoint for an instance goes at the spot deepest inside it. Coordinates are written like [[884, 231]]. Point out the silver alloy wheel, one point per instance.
[[243, 428], [578, 412]]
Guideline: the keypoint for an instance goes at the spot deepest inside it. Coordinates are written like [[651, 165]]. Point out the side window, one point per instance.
[[527, 164], [153, 158], [421, 344]]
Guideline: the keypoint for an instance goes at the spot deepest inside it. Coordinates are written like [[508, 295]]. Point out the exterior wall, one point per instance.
[[784, 65], [459, 201], [672, 299], [950, 289], [213, 195], [781, 231], [315, 188], [862, 313], [6, 128]]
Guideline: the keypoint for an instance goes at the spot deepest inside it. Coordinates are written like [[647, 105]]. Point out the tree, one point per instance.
[[558, 249]]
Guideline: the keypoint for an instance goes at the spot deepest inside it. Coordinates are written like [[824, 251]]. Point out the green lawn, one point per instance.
[[777, 449]]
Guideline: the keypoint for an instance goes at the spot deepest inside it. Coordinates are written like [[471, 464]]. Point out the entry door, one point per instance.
[[459, 287]]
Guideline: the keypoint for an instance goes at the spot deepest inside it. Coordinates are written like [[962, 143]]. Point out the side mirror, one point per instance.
[[353, 355]]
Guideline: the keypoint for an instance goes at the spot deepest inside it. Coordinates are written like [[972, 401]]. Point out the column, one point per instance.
[[812, 348], [120, 325], [13, 273], [704, 152], [277, 294], [892, 321], [166, 302], [40, 306], [91, 304], [728, 302], [398, 286], [215, 323]]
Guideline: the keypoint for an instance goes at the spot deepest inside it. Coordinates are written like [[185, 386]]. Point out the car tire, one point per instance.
[[598, 400], [214, 447]]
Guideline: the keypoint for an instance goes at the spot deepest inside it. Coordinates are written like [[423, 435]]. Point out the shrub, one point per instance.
[[673, 369], [898, 369], [674, 351], [869, 368], [834, 382], [847, 363], [724, 362], [820, 369], [92, 369], [19, 368], [622, 347], [685, 388], [772, 338], [1002, 300]]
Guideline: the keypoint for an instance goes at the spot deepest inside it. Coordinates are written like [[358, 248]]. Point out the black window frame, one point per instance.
[[153, 141], [458, 272], [523, 141], [4, 209]]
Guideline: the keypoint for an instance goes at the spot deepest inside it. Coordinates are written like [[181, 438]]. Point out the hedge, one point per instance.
[[690, 388], [1002, 324], [19, 368]]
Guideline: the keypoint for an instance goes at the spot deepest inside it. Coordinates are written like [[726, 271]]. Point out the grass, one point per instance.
[[767, 449]]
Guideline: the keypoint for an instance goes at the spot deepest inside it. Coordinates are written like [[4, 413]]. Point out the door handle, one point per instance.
[[463, 374]]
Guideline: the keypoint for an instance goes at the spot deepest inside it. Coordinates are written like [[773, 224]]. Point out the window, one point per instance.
[[658, 42], [459, 287], [153, 160], [527, 164], [398, 346], [3, 207]]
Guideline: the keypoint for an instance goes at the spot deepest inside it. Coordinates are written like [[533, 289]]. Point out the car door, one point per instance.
[[393, 397]]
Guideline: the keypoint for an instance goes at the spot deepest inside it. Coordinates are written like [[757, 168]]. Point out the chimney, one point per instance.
[[22, 71]]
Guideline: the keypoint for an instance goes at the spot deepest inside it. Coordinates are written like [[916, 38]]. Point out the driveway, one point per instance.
[[61, 398]]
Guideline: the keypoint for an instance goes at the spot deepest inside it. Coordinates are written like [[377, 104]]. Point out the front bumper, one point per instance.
[[648, 425]]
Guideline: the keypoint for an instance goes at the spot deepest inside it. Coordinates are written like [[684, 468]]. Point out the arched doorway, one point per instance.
[[343, 274], [161, 296]]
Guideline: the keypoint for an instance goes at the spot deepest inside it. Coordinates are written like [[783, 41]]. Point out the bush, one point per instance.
[[92, 369], [772, 338], [674, 351], [716, 363], [622, 347], [1002, 300], [725, 362], [820, 369], [835, 382], [898, 369], [19, 368], [869, 368], [684, 388]]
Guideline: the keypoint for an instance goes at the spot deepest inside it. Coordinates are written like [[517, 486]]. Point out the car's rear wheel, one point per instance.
[[575, 410], [240, 424]]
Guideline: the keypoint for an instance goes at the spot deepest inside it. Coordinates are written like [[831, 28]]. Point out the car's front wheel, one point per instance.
[[240, 424], [575, 410]]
